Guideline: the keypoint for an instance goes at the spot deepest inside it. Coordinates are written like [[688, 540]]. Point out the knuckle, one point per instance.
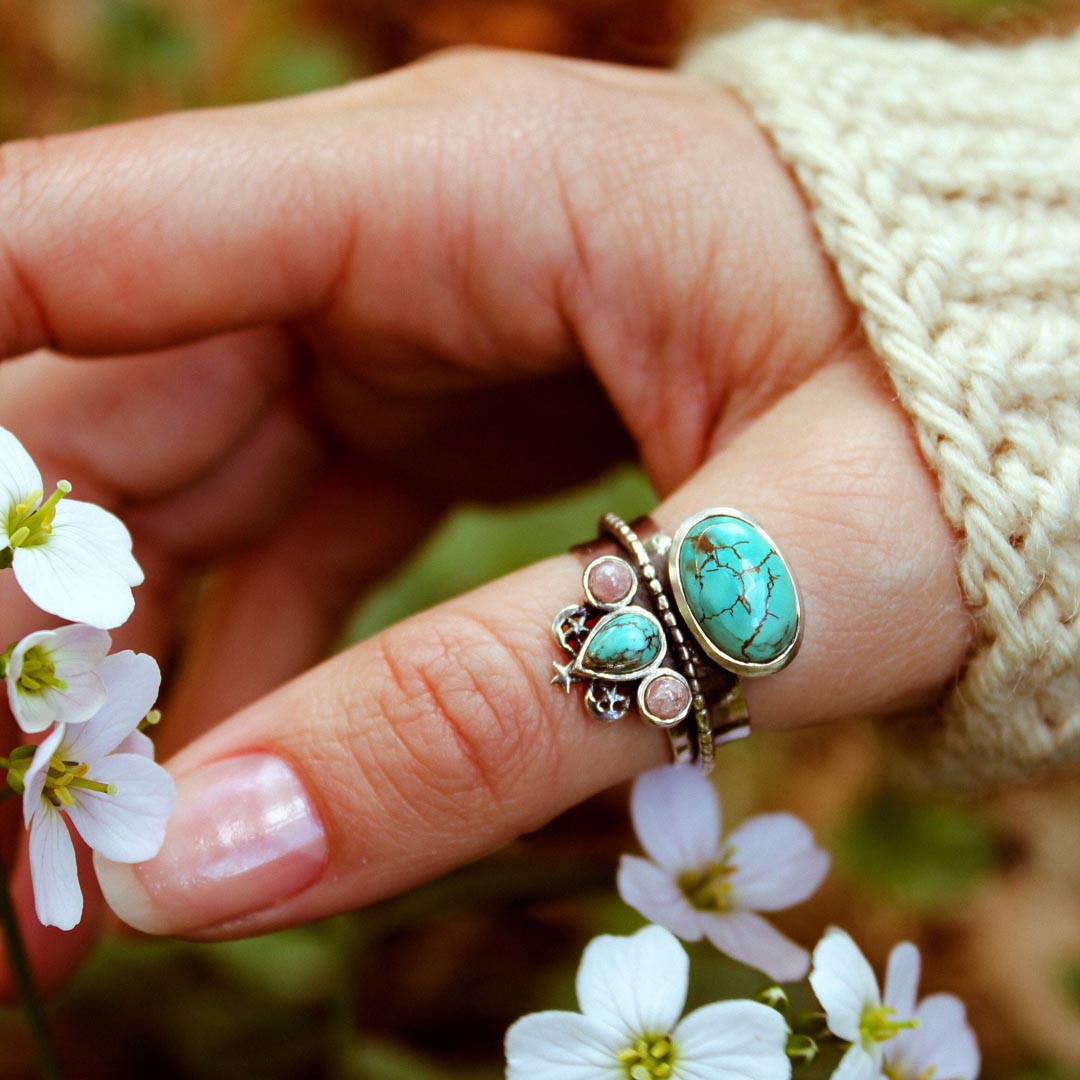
[[479, 70], [460, 705]]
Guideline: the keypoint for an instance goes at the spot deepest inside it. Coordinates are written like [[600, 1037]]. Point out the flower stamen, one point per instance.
[[877, 1025], [71, 774], [649, 1058], [894, 1071], [710, 889], [27, 527], [39, 671]]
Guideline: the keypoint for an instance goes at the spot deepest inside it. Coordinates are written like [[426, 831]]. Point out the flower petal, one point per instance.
[[676, 815], [857, 1064], [19, 478], [137, 742], [66, 580], [132, 681], [32, 712], [34, 777], [74, 652], [844, 983], [943, 1040], [35, 710], [777, 863], [93, 527], [654, 893], [732, 1040], [58, 899], [560, 1046], [902, 980], [84, 571], [127, 827], [754, 941], [78, 648], [635, 985]]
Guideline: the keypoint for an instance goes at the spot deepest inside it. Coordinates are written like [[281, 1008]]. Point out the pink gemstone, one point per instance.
[[611, 580], [667, 697]]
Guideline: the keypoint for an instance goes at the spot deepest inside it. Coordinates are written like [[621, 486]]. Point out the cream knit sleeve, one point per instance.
[[945, 184]]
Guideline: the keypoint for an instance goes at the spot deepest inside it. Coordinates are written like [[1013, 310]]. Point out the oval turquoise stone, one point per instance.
[[737, 589], [624, 644]]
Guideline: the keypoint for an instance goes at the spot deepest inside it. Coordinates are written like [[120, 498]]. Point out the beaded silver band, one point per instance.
[[625, 536]]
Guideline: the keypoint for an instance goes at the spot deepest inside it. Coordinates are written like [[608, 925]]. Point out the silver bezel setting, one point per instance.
[[581, 670], [731, 663], [618, 604], [651, 717]]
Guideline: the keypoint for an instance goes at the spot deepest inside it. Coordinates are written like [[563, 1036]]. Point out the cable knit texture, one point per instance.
[[945, 183]]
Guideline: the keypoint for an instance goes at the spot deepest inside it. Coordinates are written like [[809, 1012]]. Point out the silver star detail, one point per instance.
[[562, 676]]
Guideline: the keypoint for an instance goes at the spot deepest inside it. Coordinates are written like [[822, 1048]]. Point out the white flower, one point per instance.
[[631, 991], [942, 1044], [698, 885], [71, 558], [52, 678], [102, 775], [890, 1036]]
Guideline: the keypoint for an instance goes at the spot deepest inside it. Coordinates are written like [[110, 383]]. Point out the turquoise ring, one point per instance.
[[735, 592], [669, 626]]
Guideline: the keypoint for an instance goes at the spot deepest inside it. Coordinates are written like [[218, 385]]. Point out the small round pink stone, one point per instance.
[[611, 580], [667, 697]]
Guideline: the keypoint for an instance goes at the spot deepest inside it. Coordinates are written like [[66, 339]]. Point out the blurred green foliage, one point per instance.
[[140, 40], [1071, 979], [478, 544], [914, 853]]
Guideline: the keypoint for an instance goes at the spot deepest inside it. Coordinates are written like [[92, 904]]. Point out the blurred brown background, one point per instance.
[[67, 63], [423, 987]]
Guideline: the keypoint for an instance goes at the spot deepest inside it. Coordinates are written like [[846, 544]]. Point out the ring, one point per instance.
[[671, 625]]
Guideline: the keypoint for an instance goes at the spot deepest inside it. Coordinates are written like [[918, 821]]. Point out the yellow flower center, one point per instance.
[[39, 671], [709, 889], [877, 1024], [649, 1058], [27, 527], [897, 1072], [63, 775]]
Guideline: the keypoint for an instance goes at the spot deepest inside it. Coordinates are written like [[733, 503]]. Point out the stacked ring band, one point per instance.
[[670, 625]]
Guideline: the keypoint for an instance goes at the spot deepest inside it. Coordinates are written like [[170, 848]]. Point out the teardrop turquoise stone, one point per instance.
[[738, 589], [625, 644]]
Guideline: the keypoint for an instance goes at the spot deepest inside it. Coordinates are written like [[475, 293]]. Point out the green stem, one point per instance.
[[29, 997]]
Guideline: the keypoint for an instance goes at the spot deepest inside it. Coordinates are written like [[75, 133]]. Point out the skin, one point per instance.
[[314, 323]]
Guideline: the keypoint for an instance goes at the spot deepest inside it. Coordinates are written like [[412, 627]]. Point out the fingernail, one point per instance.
[[244, 836]]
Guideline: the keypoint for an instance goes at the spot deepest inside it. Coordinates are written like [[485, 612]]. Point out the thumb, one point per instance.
[[441, 738]]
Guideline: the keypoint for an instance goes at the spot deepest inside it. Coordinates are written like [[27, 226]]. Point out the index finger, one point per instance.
[[498, 211], [357, 207]]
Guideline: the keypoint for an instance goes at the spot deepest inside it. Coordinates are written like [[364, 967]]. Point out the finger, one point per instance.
[[267, 616], [201, 452], [441, 738], [475, 215], [273, 611], [140, 427]]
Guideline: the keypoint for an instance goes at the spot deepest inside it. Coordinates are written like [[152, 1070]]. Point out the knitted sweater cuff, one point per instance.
[[945, 184]]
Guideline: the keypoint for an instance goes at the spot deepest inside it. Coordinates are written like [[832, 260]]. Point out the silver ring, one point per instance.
[[670, 625]]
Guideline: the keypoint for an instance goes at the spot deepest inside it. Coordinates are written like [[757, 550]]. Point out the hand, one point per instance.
[[324, 319]]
